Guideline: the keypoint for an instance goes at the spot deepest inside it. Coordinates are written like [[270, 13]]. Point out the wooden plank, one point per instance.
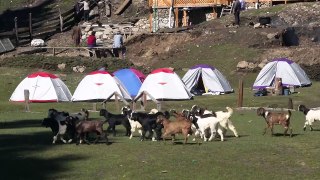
[[240, 95], [26, 100], [16, 30], [122, 6], [30, 25]]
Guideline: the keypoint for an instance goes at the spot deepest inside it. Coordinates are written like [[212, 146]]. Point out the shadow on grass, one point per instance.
[[281, 134], [20, 160], [21, 124]]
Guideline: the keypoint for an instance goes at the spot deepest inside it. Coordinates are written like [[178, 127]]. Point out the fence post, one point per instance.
[[240, 96], [26, 100], [61, 20], [30, 26], [290, 104], [16, 30]]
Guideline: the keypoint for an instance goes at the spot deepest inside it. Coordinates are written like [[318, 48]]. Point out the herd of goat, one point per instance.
[[203, 124]]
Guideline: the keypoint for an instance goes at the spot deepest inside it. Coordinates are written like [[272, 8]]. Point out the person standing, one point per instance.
[[76, 35], [92, 42], [118, 45], [86, 10], [236, 8]]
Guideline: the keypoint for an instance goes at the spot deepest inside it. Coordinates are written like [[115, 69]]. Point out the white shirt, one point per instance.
[[85, 5]]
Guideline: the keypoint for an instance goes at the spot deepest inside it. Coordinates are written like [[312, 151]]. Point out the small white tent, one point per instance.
[[206, 78], [43, 87], [98, 86], [164, 84], [290, 73]]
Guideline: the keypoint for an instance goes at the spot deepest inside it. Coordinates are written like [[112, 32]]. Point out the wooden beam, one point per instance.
[[184, 22], [176, 17], [26, 100], [30, 26], [16, 30], [240, 95]]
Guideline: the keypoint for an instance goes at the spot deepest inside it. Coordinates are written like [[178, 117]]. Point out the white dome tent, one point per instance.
[[291, 74], [99, 86], [164, 84], [207, 79], [43, 87]]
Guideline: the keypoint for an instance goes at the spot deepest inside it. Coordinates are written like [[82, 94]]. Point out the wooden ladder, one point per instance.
[[226, 10]]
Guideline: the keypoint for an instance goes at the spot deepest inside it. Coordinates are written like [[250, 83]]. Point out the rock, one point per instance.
[[242, 65], [62, 66], [261, 65], [271, 35], [258, 25], [81, 69], [251, 66], [87, 29], [295, 24]]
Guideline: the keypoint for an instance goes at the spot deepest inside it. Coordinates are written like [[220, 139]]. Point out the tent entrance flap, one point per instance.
[[199, 87]]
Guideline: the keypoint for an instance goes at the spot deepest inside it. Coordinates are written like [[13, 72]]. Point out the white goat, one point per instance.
[[225, 122], [208, 124], [311, 116]]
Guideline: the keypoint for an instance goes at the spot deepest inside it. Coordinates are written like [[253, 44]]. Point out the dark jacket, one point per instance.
[[236, 8]]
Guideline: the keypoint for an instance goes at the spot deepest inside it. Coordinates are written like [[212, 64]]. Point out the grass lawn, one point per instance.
[[27, 152]]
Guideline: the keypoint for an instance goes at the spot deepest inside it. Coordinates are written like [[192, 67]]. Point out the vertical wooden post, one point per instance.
[[16, 30], [150, 19], [176, 17], [26, 100], [54, 51], [61, 20], [94, 107], [184, 23], [144, 101], [117, 102], [240, 96], [159, 106], [30, 25], [290, 104]]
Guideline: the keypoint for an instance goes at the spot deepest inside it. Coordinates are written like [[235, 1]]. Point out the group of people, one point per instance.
[[118, 49]]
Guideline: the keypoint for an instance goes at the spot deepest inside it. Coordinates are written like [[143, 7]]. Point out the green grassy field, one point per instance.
[[27, 152]]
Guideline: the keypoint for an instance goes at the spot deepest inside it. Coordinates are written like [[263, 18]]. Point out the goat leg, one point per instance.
[[285, 131], [143, 135], [290, 132]]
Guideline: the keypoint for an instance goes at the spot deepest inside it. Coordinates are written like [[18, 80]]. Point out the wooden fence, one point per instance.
[[42, 28]]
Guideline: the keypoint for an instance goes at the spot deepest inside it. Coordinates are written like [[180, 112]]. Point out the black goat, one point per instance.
[[116, 119], [148, 123]]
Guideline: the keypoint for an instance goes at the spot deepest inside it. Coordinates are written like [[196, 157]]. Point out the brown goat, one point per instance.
[[81, 128], [174, 127], [275, 118]]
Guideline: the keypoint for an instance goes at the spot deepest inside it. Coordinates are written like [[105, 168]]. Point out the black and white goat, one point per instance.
[[311, 116], [57, 122], [114, 120], [148, 123]]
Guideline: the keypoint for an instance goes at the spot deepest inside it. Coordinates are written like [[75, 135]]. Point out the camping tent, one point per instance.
[[206, 79], [43, 87], [164, 84], [131, 79], [99, 86], [290, 73]]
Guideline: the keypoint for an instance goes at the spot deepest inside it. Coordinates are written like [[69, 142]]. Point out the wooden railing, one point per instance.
[[208, 3], [187, 3]]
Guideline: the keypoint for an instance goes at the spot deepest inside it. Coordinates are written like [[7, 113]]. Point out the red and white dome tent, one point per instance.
[[99, 86], [43, 87], [163, 84]]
